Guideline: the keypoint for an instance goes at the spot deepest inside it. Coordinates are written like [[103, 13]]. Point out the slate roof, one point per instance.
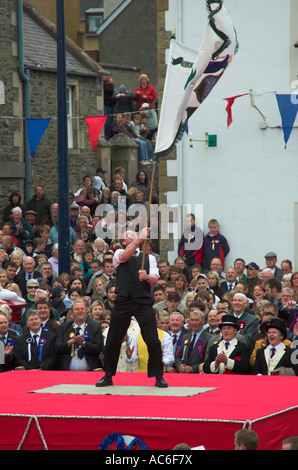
[[40, 48]]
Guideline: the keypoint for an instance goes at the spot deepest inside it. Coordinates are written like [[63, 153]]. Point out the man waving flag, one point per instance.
[[192, 74]]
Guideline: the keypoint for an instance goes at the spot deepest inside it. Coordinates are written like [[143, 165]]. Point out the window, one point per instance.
[[70, 116]]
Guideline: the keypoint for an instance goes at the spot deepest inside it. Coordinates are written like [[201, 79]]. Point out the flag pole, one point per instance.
[[173, 36], [148, 212]]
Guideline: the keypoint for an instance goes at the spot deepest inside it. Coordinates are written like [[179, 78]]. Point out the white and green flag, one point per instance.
[[192, 74]]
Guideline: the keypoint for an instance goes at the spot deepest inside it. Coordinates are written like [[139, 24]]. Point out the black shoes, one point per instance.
[[160, 382], [105, 381]]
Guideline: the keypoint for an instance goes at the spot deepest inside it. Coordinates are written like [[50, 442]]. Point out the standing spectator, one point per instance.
[[145, 93], [14, 201], [39, 204], [108, 92], [190, 246], [215, 245], [123, 101], [133, 298]]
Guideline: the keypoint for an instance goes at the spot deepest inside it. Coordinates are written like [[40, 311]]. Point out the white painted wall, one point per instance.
[[250, 181]]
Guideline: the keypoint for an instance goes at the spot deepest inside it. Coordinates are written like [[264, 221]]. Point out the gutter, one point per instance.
[[25, 78]]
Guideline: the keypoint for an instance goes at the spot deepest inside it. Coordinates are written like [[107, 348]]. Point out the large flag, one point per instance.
[[192, 74]]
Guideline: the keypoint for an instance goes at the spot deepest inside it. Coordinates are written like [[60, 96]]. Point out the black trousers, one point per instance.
[[121, 315]]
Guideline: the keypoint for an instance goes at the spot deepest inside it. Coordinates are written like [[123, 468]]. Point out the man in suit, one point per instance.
[[134, 298], [229, 355], [177, 333], [276, 358], [48, 323], [231, 280], [35, 349], [8, 337], [79, 340], [28, 272], [248, 323], [192, 352]]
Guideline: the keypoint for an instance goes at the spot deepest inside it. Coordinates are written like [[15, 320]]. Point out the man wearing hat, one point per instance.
[[31, 218], [74, 210], [123, 101], [252, 270], [271, 259], [276, 358], [229, 355], [172, 302]]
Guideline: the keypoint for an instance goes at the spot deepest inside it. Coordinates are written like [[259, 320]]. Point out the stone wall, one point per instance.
[[166, 183], [11, 127]]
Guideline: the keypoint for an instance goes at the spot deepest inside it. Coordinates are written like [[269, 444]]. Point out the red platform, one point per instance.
[[269, 405]]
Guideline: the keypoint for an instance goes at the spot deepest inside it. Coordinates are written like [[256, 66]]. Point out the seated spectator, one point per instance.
[[9, 338], [229, 355], [79, 340], [192, 352], [20, 228], [127, 129], [275, 359], [116, 126], [7, 311], [31, 217], [152, 121], [44, 231], [88, 197], [35, 349], [141, 183]]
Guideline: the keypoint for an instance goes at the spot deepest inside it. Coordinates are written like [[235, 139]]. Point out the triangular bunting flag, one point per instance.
[[230, 101], [36, 129], [95, 125], [288, 111]]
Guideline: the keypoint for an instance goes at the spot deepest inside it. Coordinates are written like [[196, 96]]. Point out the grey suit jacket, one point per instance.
[[197, 355]]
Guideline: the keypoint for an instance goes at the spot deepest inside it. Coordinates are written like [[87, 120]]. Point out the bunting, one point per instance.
[[95, 126], [288, 110], [230, 101], [36, 129]]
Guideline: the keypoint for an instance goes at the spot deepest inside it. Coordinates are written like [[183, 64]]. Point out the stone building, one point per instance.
[[31, 91]]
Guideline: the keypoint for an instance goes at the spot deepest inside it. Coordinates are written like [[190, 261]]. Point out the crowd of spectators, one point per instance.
[[197, 297], [211, 318], [133, 114]]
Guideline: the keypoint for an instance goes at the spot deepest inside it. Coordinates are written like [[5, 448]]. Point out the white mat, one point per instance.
[[82, 389]]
